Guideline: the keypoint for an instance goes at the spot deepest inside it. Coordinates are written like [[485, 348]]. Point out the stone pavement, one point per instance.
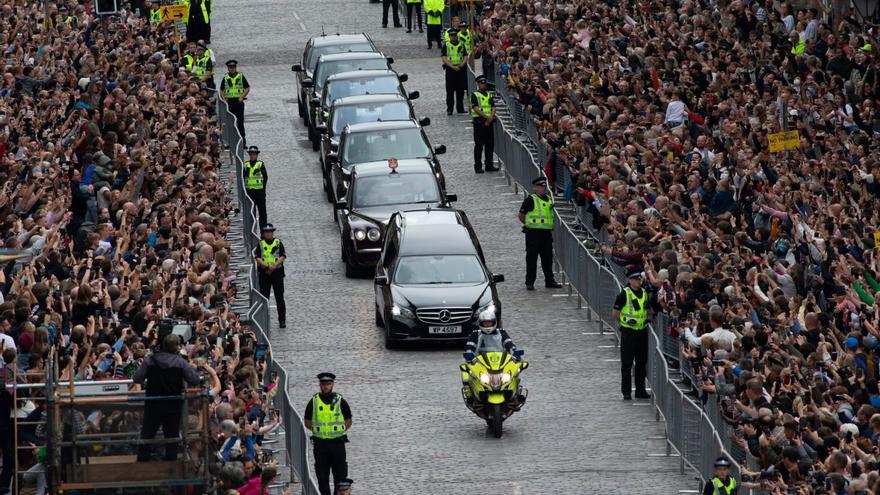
[[411, 432]]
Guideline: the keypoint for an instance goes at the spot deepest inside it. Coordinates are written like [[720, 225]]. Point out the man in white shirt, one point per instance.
[[723, 338], [676, 111]]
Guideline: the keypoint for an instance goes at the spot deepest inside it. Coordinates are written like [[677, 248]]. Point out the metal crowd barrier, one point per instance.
[[297, 440], [694, 432]]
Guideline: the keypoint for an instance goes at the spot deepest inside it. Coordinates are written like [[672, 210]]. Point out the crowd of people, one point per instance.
[[113, 229], [659, 113]]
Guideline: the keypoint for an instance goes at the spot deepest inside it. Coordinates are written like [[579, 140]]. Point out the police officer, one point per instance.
[[483, 115], [255, 178], [434, 19], [722, 483], [329, 417], [454, 63], [199, 22], [631, 309], [394, 9], [536, 215], [344, 487], [188, 62], [234, 89], [460, 28], [203, 65], [270, 258], [410, 6]]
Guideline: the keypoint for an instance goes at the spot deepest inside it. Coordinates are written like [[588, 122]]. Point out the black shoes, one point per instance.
[[421, 30], [385, 26], [478, 170], [409, 30], [430, 47], [460, 110], [627, 397], [398, 25], [492, 169], [449, 112], [553, 285], [530, 286], [642, 395], [282, 324]]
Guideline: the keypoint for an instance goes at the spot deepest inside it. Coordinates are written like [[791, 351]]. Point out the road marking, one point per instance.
[[592, 333], [606, 347], [509, 194], [617, 360], [670, 455], [302, 26], [296, 16], [641, 403]]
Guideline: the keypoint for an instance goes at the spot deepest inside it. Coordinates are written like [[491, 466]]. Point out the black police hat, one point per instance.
[[633, 272], [540, 181], [482, 79], [326, 377], [343, 484], [722, 462], [232, 63], [253, 149], [201, 45], [267, 228]]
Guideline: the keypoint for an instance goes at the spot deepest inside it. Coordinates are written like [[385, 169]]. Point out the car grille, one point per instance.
[[444, 316]]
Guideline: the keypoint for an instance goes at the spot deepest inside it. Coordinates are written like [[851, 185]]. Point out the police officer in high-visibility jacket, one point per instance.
[[722, 483], [234, 88], [537, 216], [270, 256], [255, 180], [412, 5], [632, 308], [188, 61], [483, 116], [434, 20], [203, 65], [199, 21], [328, 415], [455, 64], [460, 28]]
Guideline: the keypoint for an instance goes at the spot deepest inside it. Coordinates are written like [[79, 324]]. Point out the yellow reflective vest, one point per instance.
[[541, 216], [630, 317]]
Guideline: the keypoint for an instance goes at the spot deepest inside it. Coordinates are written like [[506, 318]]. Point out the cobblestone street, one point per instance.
[[411, 432]]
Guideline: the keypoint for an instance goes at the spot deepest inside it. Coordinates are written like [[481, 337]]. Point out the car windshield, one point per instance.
[[327, 69], [446, 269], [489, 343], [361, 86], [373, 146], [356, 114], [316, 52], [395, 189]]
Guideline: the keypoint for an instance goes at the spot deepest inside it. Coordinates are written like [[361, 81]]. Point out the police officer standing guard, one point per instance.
[[234, 88], [203, 65], [483, 114], [722, 483], [631, 309], [461, 28], [199, 21], [433, 19], [255, 178], [536, 215], [395, 10], [329, 417], [454, 63], [270, 258]]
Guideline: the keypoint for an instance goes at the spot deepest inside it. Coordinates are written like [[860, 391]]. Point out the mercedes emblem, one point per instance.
[[444, 315]]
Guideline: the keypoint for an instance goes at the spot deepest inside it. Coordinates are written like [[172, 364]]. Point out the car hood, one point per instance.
[[381, 214], [452, 295]]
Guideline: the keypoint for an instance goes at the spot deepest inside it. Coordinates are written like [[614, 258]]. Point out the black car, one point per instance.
[[357, 110], [431, 280], [378, 141], [378, 190], [334, 64], [325, 45], [359, 82]]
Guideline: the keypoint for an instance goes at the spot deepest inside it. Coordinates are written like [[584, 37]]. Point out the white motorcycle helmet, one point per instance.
[[487, 321]]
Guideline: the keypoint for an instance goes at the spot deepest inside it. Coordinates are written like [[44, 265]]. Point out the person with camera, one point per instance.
[[631, 308], [165, 374]]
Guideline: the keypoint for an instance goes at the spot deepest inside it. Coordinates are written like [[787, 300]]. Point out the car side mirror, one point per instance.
[[390, 60], [403, 77], [340, 205], [381, 280], [468, 356], [518, 353], [308, 83], [463, 367], [414, 95], [497, 277], [425, 121], [439, 150], [321, 128], [333, 156], [315, 102], [451, 198], [296, 68]]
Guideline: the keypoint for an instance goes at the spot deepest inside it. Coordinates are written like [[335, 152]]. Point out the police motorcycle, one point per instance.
[[491, 384]]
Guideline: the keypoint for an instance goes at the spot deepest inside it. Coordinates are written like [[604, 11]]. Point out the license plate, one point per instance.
[[445, 330]]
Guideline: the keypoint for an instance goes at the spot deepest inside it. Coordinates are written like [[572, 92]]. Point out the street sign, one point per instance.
[[782, 141], [173, 12], [106, 7]]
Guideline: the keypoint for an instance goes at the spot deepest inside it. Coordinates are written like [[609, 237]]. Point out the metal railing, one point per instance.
[[296, 437], [693, 430]]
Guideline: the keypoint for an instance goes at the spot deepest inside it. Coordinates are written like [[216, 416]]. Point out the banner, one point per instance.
[[781, 141]]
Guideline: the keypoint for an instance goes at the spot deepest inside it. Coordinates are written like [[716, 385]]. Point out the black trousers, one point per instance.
[[274, 282], [7, 449], [258, 196], [168, 417], [434, 31], [409, 11], [633, 349], [394, 9], [456, 85], [329, 456], [236, 107], [539, 243], [484, 143], [197, 29]]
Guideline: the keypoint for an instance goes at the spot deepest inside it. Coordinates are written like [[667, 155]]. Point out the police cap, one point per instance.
[[267, 228], [326, 377], [633, 272], [482, 79], [253, 149], [232, 63], [722, 462], [540, 181], [344, 483], [201, 45]]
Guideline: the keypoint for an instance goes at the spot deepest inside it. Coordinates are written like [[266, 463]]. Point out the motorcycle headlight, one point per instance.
[[505, 378], [401, 311], [374, 235], [360, 234], [484, 378]]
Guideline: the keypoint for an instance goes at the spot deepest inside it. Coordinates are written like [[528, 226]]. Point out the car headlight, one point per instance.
[[505, 378], [345, 184], [374, 235], [360, 234], [490, 306], [401, 311], [437, 174], [484, 378]]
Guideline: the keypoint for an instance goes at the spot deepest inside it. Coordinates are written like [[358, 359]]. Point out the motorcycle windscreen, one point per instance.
[[490, 343]]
